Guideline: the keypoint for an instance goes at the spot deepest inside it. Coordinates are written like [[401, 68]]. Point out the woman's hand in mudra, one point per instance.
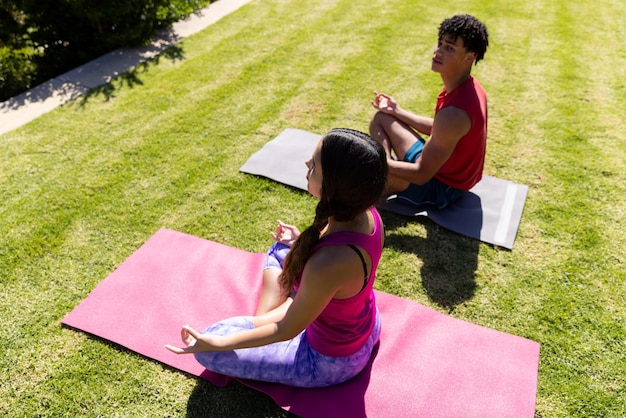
[[194, 342], [285, 234]]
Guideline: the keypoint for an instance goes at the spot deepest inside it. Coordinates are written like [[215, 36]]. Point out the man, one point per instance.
[[438, 170]]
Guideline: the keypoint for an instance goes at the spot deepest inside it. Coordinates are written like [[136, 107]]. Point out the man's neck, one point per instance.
[[452, 82]]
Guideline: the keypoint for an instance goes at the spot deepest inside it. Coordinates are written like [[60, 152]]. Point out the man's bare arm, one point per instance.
[[449, 126]]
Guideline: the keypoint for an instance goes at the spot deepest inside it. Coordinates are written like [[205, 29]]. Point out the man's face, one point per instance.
[[450, 55]]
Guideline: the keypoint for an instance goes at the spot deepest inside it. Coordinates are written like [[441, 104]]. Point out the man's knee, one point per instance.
[[382, 119], [379, 125], [395, 185]]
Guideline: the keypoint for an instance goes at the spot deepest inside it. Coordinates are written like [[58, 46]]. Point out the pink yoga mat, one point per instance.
[[428, 364]]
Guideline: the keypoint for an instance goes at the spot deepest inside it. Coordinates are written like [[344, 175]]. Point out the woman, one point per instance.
[[317, 320]]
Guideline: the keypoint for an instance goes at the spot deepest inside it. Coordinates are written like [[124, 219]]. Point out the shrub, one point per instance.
[[17, 71], [68, 33]]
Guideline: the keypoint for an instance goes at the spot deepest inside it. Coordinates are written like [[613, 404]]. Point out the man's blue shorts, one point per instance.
[[433, 192]]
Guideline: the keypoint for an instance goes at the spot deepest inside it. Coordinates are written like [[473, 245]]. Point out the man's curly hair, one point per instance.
[[471, 30]]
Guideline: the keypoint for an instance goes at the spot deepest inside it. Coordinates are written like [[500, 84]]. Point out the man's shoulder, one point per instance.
[[453, 122], [450, 114], [467, 95], [477, 86]]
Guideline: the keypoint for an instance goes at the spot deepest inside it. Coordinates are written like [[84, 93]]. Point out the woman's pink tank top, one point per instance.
[[345, 324]]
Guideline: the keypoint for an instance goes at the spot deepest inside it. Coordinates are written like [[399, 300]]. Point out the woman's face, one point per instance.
[[314, 175]]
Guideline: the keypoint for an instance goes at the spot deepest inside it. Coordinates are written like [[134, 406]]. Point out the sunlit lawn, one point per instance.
[[85, 185]]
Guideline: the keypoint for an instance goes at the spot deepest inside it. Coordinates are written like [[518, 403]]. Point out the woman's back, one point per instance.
[[344, 325]]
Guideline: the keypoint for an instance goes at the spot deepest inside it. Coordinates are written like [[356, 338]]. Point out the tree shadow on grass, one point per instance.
[[232, 400], [132, 77], [449, 260]]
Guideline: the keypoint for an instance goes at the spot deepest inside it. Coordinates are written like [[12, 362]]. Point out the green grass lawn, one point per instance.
[[85, 185]]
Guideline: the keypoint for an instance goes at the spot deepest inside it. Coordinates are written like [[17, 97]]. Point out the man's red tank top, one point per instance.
[[464, 168]]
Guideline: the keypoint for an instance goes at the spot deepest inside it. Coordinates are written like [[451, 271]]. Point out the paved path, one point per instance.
[[41, 99]]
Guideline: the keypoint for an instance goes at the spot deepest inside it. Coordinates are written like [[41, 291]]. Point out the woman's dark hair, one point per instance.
[[354, 175], [471, 30]]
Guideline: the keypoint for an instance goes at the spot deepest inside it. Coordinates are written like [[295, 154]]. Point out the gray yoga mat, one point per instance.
[[490, 212]]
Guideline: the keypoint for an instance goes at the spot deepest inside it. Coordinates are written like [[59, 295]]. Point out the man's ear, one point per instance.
[[471, 56]]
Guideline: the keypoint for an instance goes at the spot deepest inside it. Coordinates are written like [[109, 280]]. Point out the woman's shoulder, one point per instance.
[[331, 262], [330, 257]]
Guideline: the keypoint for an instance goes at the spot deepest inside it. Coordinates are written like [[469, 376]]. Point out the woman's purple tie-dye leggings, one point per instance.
[[292, 362]]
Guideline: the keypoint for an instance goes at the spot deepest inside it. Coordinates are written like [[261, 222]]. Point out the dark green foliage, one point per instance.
[[16, 71], [41, 39]]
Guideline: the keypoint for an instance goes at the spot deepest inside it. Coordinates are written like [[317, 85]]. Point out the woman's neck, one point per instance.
[[362, 224]]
